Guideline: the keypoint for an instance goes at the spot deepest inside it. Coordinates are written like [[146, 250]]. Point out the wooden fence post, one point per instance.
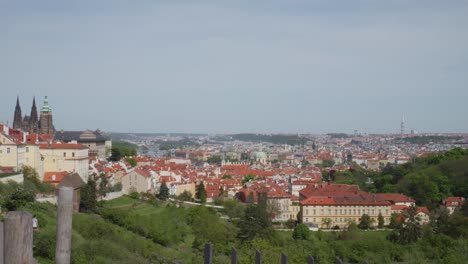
[[1, 243], [18, 233], [208, 253], [338, 261], [258, 257], [234, 259], [284, 258], [310, 260], [64, 225]]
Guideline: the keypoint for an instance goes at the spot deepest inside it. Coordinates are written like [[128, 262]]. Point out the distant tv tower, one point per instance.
[[402, 125]]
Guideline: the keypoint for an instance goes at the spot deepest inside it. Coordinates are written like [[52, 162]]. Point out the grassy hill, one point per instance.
[[135, 231]]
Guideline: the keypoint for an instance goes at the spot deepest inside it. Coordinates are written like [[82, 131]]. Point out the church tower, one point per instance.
[[46, 125], [18, 118], [33, 118]]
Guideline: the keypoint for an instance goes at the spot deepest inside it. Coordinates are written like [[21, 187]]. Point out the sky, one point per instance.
[[276, 66]]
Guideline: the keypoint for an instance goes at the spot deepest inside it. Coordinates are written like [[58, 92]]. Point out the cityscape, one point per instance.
[[233, 132]]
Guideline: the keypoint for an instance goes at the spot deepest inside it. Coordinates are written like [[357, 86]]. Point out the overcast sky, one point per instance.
[[238, 66]]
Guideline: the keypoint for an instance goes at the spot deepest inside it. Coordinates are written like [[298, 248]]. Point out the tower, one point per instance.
[[18, 118], [33, 118], [402, 128], [46, 125]]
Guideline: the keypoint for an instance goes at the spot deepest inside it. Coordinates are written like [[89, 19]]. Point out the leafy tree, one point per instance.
[[350, 233], [255, 223], [131, 161], [328, 163], [301, 232], [20, 197], [163, 191], [248, 178], [214, 160], [409, 230], [365, 222], [393, 221], [290, 224], [103, 182], [185, 196], [88, 202], [327, 222], [381, 221], [201, 193], [227, 176]]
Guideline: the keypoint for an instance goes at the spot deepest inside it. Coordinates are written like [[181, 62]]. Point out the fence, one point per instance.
[[208, 257], [16, 233]]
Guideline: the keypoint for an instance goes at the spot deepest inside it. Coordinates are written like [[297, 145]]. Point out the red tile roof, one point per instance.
[[55, 176]]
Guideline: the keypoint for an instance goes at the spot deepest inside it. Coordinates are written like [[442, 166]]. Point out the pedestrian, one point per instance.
[[35, 223]]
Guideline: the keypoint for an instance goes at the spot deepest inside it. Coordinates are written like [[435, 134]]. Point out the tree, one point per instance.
[[328, 163], [201, 193], [103, 182], [248, 178], [131, 161], [327, 222], [255, 223], [214, 160], [88, 202], [163, 191], [227, 176], [409, 230], [301, 232], [365, 222], [185, 196], [19, 198], [393, 221], [381, 221]]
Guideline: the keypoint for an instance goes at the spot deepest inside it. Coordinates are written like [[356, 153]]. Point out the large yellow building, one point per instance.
[[327, 206], [65, 157]]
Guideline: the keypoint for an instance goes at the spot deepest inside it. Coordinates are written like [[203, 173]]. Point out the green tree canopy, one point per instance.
[[301, 232], [163, 191], [201, 193]]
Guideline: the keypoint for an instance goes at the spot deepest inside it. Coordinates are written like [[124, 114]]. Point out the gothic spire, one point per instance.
[[18, 118], [33, 120]]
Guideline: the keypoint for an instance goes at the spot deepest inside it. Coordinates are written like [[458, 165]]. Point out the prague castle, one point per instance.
[[32, 123]]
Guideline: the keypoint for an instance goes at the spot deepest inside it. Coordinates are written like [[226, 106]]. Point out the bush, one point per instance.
[[301, 232], [20, 197]]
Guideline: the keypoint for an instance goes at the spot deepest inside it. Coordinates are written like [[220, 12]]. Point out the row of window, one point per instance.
[[346, 211]]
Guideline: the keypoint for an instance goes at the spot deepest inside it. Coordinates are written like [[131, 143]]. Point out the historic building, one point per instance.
[[33, 123], [98, 143]]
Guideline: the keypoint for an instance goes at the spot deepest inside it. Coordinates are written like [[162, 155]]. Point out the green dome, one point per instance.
[[46, 106]]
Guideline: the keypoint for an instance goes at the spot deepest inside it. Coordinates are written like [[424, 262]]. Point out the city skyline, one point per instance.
[[220, 67]]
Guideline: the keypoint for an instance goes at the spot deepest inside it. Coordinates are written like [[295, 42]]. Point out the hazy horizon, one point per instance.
[[223, 67]]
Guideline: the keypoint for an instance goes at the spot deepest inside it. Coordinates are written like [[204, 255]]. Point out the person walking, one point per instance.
[[35, 223]]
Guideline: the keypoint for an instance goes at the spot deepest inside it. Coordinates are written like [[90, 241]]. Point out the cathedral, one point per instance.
[[33, 123]]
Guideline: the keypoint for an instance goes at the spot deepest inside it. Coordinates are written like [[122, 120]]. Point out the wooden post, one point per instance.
[[234, 256], [64, 225], [338, 261], [1, 243], [284, 258], [208, 253], [258, 257], [18, 233], [310, 260]]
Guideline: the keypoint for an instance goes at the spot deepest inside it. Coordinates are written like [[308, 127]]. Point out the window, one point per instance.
[[27, 149], [73, 154], [64, 154], [53, 160], [8, 150]]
